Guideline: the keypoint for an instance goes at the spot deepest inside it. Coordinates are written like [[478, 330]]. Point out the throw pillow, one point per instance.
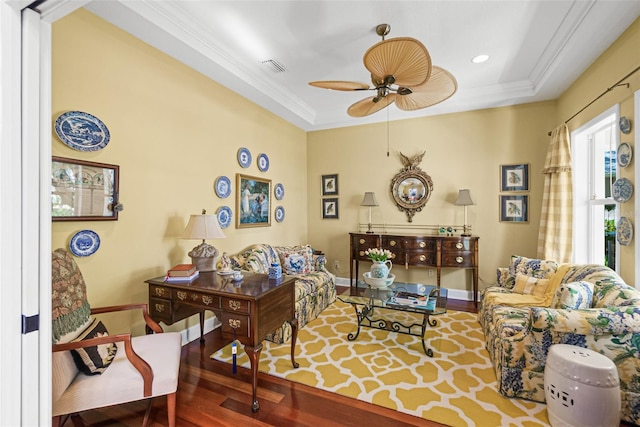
[[542, 269], [574, 295], [95, 359], [530, 285], [296, 260]]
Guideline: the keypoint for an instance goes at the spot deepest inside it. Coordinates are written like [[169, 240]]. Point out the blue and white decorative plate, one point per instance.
[[624, 231], [223, 187], [244, 157], [84, 243], [625, 125], [224, 216], [624, 154], [82, 131], [278, 191], [279, 214], [622, 190], [263, 162]]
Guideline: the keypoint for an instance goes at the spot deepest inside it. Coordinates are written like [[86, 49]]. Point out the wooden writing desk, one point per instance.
[[248, 310]]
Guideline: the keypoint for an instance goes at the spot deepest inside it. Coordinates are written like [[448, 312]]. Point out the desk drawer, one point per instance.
[[160, 309], [239, 322], [159, 291], [197, 298], [235, 305], [459, 259]]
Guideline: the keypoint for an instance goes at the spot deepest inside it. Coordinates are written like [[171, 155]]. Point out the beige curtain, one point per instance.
[[556, 219]]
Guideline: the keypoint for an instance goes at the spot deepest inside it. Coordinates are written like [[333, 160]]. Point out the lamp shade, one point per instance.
[[203, 227], [369, 199], [464, 198]]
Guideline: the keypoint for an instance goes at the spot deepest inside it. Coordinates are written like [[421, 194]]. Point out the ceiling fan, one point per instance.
[[401, 72]]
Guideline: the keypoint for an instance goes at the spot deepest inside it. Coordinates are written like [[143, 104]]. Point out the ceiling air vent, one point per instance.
[[274, 66]]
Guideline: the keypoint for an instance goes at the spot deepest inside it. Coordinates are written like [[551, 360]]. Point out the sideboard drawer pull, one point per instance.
[[422, 258], [361, 253], [362, 241], [393, 243], [423, 244], [459, 259], [459, 245]]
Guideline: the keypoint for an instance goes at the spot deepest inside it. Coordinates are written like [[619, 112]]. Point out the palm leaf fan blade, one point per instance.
[[404, 58], [367, 106], [440, 86], [340, 85]]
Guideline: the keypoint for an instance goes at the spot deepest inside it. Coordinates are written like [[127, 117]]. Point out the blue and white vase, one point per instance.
[[380, 269], [275, 271]]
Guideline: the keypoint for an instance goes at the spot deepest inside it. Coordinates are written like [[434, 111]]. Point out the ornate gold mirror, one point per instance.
[[411, 188]]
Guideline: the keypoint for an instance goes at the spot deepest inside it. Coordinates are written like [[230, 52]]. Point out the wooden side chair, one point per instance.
[[92, 369]]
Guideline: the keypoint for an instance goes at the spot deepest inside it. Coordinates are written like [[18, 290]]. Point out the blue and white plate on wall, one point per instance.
[[223, 187], [624, 154], [263, 162], [278, 191], [624, 231], [82, 131], [84, 243], [622, 190], [244, 157], [224, 216], [279, 214]]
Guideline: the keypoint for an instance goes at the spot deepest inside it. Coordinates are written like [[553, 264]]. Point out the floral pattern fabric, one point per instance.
[[518, 338]]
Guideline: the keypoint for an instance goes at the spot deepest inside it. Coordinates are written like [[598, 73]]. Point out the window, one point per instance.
[[593, 149]]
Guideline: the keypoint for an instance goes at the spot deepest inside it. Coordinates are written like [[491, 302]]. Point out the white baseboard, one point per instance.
[[458, 294], [193, 333]]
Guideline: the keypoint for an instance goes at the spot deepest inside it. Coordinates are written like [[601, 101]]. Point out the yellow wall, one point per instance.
[[173, 132]]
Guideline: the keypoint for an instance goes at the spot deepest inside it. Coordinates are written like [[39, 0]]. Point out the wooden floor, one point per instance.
[[209, 394]]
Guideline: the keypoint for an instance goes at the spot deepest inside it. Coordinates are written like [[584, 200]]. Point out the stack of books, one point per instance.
[[414, 300], [182, 273]]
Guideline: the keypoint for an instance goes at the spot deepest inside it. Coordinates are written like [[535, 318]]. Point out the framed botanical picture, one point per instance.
[[514, 177], [330, 208], [253, 205], [514, 208], [330, 185], [84, 191]]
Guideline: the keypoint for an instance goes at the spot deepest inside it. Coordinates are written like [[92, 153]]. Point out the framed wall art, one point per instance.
[[84, 191], [330, 208], [514, 208], [330, 185], [514, 177], [253, 205]]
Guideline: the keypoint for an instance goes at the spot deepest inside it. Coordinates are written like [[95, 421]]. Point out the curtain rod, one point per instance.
[[609, 89]]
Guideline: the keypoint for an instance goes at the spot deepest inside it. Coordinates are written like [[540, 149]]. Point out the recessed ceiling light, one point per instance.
[[480, 58]]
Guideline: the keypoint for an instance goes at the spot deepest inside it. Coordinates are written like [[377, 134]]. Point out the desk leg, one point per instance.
[[254, 358], [294, 338], [202, 327]]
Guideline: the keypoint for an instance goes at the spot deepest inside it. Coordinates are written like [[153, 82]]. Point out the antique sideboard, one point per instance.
[[421, 251]]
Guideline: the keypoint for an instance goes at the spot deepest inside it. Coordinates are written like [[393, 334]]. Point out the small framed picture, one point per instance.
[[514, 177], [330, 208], [330, 185], [514, 208]]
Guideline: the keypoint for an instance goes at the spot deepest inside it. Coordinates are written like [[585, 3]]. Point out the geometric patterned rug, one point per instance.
[[456, 387]]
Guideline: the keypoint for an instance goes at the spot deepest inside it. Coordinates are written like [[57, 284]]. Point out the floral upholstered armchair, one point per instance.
[[315, 286], [588, 306]]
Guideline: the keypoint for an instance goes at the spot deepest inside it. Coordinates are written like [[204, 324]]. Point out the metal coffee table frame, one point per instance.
[[368, 304]]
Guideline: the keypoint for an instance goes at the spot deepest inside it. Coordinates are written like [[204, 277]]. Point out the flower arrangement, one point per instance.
[[376, 254]]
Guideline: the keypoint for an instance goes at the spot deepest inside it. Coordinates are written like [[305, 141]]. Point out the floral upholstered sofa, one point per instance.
[[538, 303], [315, 286]]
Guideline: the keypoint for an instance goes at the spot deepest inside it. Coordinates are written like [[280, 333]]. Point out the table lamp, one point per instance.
[[369, 200], [203, 227], [464, 199]]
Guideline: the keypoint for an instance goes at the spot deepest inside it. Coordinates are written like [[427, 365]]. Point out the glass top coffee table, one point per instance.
[[377, 308]]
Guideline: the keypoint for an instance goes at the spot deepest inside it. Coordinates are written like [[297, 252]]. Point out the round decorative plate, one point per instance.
[[278, 191], [625, 125], [624, 231], [622, 190], [223, 187], [279, 214], [82, 131], [263, 162], [624, 154], [84, 243], [224, 216], [244, 157]]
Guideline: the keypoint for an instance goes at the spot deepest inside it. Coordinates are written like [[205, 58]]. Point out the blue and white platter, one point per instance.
[[624, 154], [224, 216], [278, 191], [244, 157], [263, 162], [82, 131], [624, 231], [84, 243], [223, 187], [279, 214], [622, 190]]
